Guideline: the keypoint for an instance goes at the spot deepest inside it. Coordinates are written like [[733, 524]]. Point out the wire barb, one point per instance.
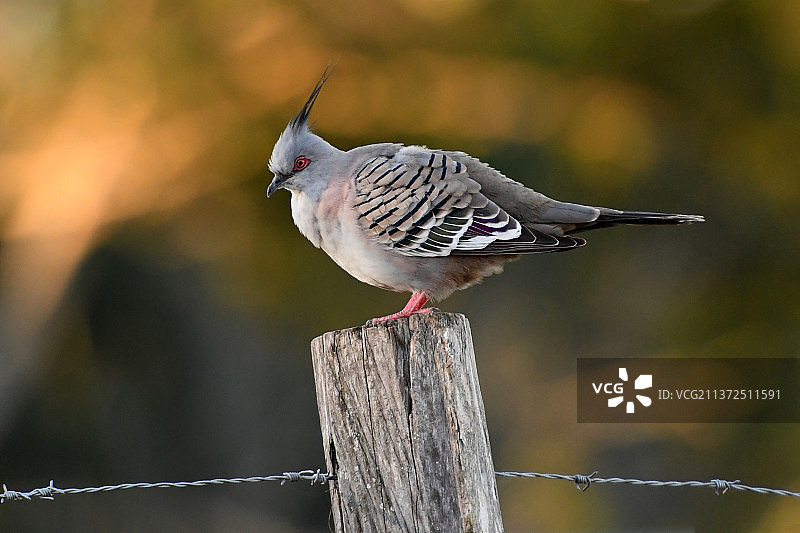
[[722, 485], [582, 482]]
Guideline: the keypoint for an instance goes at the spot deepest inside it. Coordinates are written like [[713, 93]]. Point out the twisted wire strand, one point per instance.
[[720, 486], [47, 493], [582, 482]]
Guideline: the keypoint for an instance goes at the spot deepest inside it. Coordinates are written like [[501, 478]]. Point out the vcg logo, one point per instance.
[[644, 381]]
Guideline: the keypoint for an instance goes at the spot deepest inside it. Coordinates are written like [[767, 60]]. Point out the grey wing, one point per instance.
[[423, 202], [532, 209]]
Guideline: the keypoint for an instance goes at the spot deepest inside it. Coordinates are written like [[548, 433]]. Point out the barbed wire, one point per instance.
[[582, 483], [720, 486], [47, 493]]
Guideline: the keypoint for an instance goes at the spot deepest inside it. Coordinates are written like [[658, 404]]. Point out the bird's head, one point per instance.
[[298, 157]]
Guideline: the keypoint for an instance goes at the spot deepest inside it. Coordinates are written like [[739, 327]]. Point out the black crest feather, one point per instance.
[[300, 120]]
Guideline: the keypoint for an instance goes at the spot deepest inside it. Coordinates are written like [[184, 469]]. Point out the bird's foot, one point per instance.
[[399, 314], [413, 307]]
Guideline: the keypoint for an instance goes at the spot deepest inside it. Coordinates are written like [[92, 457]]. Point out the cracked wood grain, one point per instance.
[[404, 429]]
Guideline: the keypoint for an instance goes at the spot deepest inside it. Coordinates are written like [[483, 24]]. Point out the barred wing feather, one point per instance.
[[421, 202]]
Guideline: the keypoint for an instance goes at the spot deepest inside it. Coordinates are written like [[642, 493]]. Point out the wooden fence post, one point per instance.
[[404, 429]]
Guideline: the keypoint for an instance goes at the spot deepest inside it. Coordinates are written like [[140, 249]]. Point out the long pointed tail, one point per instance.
[[612, 217]]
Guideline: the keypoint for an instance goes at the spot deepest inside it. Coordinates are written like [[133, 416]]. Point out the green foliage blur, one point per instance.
[[156, 308]]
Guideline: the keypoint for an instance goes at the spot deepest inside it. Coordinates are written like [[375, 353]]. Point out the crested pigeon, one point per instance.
[[414, 219]]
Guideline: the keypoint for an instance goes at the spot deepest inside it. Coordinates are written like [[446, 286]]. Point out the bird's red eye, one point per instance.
[[300, 163]]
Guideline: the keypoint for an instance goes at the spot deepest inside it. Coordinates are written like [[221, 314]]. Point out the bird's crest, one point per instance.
[[300, 120]]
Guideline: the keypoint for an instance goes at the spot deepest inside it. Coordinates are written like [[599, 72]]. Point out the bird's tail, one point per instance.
[[613, 217]]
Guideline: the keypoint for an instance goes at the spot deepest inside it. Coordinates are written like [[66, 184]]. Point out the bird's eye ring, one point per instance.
[[300, 163]]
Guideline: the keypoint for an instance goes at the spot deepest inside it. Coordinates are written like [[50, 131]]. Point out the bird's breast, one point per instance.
[[305, 217], [330, 223]]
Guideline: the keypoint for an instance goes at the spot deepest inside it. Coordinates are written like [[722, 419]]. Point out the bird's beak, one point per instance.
[[277, 183]]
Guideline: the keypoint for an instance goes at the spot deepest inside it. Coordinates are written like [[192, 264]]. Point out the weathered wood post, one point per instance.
[[404, 429]]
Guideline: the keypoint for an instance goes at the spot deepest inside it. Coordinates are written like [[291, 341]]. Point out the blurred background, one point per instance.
[[156, 309]]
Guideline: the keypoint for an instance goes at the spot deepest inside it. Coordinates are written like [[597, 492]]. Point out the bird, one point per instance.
[[408, 218]]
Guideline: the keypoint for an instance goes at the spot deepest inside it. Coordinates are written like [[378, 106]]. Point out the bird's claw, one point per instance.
[[378, 320]]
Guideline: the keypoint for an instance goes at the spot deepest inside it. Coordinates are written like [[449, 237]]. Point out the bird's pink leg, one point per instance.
[[414, 305]]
